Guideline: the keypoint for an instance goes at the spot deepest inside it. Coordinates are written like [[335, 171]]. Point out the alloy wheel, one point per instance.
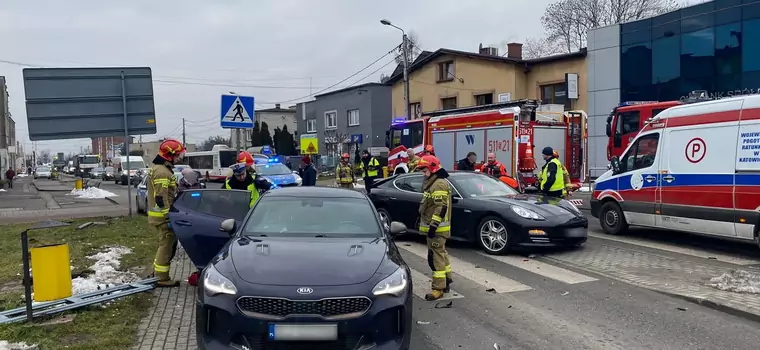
[[493, 236]]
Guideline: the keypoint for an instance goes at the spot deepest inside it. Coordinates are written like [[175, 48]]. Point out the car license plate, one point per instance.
[[303, 332], [576, 232]]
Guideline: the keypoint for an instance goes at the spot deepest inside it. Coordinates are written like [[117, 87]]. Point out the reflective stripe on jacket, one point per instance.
[[435, 208], [161, 182], [251, 188], [344, 174], [559, 177]]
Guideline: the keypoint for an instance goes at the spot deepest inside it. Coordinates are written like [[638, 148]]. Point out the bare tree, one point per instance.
[[568, 21], [541, 47], [412, 49]]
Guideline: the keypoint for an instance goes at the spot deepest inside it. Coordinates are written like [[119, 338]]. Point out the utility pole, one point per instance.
[[184, 141], [406, 74]]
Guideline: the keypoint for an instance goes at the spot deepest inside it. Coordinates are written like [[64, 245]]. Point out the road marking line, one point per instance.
[[488, 279], [421, 285], [675, 249], [542, 268]]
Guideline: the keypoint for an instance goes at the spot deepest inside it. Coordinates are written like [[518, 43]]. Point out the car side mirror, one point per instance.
[[615, 164], [454, 199], [228, 226], [397, 228]]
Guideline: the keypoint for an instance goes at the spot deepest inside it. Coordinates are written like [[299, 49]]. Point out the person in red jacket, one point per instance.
[[493, 167], [10, 174]]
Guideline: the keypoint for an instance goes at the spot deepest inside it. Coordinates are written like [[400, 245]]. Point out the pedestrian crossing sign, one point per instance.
[[237, 112]]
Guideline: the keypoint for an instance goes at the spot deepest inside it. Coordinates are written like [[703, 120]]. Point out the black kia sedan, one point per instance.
[[306, 268], [487, 212]]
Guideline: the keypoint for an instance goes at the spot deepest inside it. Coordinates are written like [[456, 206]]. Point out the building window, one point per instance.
[[698, 60], [666, 68], [484, 99], [353, 117], [449, 103], [331, 120], [728, 57], [555, 94], [311, 125], [636, 78], [446, 71], [248, 135], [415, 109]]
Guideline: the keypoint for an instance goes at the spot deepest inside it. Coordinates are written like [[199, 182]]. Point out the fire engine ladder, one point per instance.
[[575, 135], [516, 103], [81, 300]]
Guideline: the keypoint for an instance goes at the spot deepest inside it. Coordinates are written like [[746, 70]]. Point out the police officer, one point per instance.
[[435, 222], [344, 173], [552, 178], [370, 168], [247, 158], [162, 188], [242, 180]]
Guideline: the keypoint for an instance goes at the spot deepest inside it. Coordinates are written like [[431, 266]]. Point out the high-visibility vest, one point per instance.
[[251, 188], [368, 172], [559, 178]]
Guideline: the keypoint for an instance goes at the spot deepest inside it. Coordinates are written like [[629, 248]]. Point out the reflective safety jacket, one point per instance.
[[494, 169], [371, 169], [435, 208], [344, 174], [552, 177], [413, 161], [253, 185], [161, 183]]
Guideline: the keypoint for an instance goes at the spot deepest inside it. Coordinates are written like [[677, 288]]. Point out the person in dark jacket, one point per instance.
[[468, 163], [308, 172], [551, 179], [189, 180]]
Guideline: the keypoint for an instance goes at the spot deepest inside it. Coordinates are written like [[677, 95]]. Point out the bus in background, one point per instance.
[[84, 163], [214, 164]]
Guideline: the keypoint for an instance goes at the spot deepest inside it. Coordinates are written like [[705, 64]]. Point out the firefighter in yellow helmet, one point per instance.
[[435, 222], [162, 188], [344, 173]]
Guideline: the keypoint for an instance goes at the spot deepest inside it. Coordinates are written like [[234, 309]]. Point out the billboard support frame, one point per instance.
[[126, 138]]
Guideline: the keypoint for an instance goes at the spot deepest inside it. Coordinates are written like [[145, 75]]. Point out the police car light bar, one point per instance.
[[397, 121]]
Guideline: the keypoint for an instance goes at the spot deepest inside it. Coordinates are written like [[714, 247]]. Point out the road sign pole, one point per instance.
[[126, 140]]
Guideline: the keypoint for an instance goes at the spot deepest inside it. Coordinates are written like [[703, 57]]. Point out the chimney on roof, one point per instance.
[[277, 105], [514, 50]]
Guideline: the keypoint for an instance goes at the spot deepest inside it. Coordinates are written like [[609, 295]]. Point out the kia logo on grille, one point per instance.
[[305, 290]]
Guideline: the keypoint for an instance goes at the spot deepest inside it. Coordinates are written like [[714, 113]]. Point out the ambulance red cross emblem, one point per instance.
[[696, 149]]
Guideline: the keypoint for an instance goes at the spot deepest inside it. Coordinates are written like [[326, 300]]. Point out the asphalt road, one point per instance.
[[517, 302]]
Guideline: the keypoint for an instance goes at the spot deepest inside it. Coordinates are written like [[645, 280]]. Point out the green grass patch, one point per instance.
[[95, 327]]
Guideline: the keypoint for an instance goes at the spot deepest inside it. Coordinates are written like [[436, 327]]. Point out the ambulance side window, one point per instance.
[[642, 153]]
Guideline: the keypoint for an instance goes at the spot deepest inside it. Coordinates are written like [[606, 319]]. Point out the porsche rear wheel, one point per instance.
[[493, 235]]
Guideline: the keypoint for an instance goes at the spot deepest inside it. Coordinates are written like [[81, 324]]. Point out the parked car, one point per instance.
[[253, 291], [108, 174], [96, 173], [43, 171], [487, 212]]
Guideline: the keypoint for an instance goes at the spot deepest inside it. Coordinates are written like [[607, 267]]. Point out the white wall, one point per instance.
[[603, 90]]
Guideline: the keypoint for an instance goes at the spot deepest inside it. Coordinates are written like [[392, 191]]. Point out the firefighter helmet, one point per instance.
[[430, 149], [170, 149], [245, 157], [430, 162], [345, 156]]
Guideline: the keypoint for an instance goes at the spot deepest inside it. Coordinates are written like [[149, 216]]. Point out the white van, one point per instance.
[[693, 168], [126, 169]]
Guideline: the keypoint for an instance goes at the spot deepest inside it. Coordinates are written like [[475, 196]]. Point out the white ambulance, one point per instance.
[[693, 168]]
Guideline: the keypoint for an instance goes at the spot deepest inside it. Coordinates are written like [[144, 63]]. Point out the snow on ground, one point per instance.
[[106, 273], [19, 175], [4, 345], [738, 281], [91, 193], [2, 190]]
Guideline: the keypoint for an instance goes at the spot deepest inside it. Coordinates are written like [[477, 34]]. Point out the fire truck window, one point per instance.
[[416, 134], [627, 122], [642, 154], [657, 111], [396, 138]]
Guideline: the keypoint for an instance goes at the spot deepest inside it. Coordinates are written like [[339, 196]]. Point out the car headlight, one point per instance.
[[214, 283], [299, 180], [527, 213], [395, 284]]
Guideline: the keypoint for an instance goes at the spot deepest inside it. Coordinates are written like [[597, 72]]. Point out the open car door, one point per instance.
[[195, 218]]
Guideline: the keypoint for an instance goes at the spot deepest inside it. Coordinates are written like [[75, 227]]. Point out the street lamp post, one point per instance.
[[404, 63]]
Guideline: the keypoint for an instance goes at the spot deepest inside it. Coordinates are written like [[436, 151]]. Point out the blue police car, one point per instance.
[[277, 173]]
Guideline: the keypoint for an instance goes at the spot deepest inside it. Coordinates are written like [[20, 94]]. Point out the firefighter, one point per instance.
[[568, 185], [493, 167], [162, 188], [413, 159], [435, 222], [247, 158], [344, 173], [370, 168], [242, 180], [552, 178]]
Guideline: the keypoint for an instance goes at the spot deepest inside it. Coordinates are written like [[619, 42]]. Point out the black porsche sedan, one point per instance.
[[486, 212], [305, 268]]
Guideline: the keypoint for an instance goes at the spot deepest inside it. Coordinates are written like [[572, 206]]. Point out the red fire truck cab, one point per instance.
[[495, 128]]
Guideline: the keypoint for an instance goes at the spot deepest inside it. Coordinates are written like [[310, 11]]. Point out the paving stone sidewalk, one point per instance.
[[665, 274], [171, 322]]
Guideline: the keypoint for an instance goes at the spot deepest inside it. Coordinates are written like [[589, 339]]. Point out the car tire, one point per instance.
[[611, 218], [385, 215], [488, 230], [140, 209]]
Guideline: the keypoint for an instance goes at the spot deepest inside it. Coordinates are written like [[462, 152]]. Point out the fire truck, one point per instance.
[[628, 118], [495, 128]]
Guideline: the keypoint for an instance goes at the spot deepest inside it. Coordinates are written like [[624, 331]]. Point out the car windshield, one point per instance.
[[109, 169], [133, 165], [310, 216], [478, 185], [272, 169], [97, 169], [43, 169]]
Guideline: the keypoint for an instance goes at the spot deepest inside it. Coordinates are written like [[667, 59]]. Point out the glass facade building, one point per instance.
[[714, 46]]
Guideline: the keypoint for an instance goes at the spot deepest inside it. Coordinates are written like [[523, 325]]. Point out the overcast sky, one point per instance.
[[207, 48]]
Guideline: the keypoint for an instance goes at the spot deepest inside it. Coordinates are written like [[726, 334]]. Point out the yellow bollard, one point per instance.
[[78, 183], [51, 272], [385, 171]]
